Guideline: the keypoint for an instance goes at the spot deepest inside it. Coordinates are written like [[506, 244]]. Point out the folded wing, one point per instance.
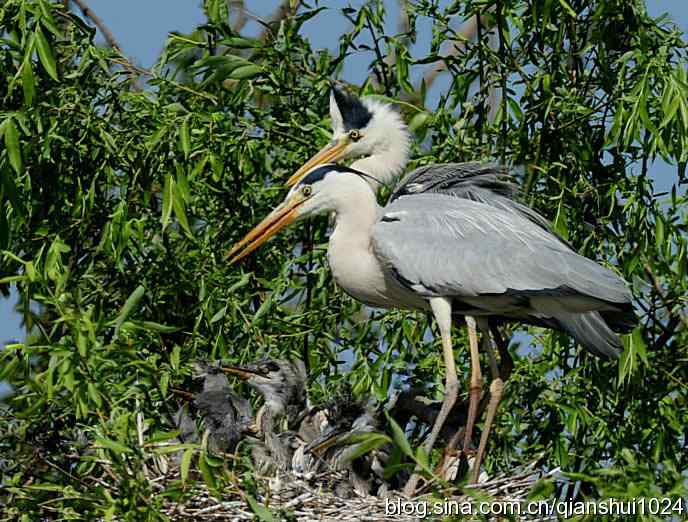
[[442, 245]]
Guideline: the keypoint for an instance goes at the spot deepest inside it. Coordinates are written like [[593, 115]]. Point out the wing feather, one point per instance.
[[482, 182], [443, 245]]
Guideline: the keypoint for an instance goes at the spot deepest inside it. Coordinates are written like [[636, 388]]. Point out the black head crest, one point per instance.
[[355, 115]]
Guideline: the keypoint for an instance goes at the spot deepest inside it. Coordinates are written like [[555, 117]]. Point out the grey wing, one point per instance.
[[458, 179], [487, 183], [441, 245]]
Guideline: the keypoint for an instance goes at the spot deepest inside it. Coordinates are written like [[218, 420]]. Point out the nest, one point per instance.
[[293, 479], [313, 497]]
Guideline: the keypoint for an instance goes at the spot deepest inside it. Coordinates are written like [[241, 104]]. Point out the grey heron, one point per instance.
[[373, 133], [456, 258], [296, 436]]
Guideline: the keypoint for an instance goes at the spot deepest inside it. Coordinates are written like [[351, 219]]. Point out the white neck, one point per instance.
[[384, 166], [354, 266], [356, 211]]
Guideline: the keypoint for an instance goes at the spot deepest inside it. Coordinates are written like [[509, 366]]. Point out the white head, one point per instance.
[[366, 129], [325, 188]]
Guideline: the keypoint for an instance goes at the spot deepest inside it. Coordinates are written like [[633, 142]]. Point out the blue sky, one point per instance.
[[141, 27]]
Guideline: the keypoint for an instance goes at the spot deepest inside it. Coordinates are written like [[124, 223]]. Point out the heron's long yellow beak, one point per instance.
[[276, 221], [328, 154]]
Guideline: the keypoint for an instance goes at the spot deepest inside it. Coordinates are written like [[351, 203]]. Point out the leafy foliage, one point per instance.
[[117, 206]]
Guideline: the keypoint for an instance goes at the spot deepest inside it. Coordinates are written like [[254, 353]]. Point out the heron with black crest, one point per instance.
[[456, 258]]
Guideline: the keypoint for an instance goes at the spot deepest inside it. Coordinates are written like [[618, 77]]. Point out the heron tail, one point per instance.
[[592, 332]]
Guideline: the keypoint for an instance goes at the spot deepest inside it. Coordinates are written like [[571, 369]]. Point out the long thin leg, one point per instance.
[[506, 362], [496, 390], [441, 308], [476, 383]]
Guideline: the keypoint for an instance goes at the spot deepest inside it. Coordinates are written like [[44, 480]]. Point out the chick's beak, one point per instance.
[[328, 154], [325, 442], [278, 219], [237, 371]]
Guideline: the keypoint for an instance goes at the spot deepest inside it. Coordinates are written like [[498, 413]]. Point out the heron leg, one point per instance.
[[476, 383], [496, 390], [506, 362], [441, 308]]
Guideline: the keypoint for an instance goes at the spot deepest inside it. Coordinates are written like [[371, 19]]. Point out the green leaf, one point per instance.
[[245, 72], [180, 208], [219, 315], [419, 121], [240, 42], [568, 8], [13, 146], [112, 445], [28, 82], [157, 327], [167, 199], [207, 473], [94, 394], [264, 307], [634, 349], [261, 511], [175, 357], [186, 465], [542, 489], [400, 437], [364, 444], [185, 137], [422, 457], [561, 225], [129, 305], [45, 53]]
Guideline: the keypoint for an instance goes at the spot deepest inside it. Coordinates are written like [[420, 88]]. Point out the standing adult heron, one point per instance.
[[374, 134], [454, 257]]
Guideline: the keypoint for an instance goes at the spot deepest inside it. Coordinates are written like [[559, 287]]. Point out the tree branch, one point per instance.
[[663, 296], [239, 8], [98, 22], [468, 31], [110, 39], [285, 9]]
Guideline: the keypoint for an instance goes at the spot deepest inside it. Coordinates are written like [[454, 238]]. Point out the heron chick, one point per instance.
[[282, 384]]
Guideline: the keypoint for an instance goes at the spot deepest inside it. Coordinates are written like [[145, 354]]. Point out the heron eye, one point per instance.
[[307, 190], [354, 135]]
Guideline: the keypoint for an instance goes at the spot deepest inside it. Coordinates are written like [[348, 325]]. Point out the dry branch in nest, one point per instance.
[[313, 498]]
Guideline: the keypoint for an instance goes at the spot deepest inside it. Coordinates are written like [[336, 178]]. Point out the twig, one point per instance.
[[663, 296], [107, 34], [109, 38], [187, 395], [381, 60], [468, 31], [240, 8], [285, 9]]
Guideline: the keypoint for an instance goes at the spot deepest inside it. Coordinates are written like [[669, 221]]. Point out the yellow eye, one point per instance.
[[306, 190], [354, 135]]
